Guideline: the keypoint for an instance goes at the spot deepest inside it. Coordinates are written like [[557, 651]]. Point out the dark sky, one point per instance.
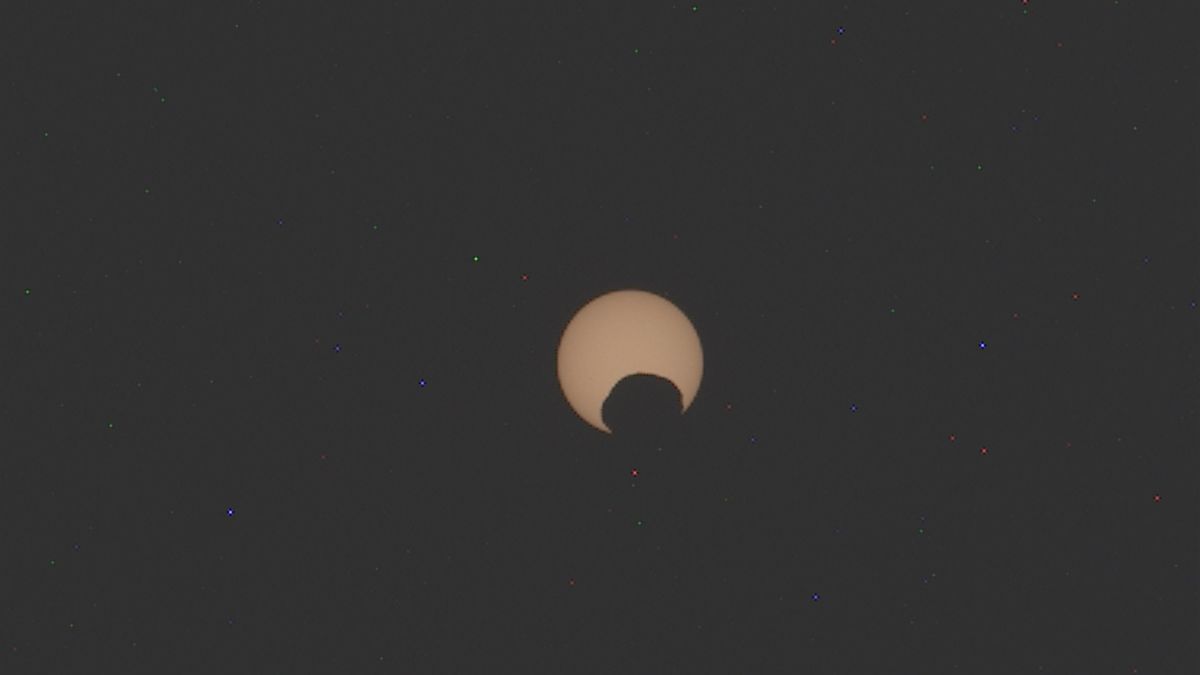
[[283, 287]]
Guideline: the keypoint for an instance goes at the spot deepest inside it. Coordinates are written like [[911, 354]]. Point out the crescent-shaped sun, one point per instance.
[[622, 333]]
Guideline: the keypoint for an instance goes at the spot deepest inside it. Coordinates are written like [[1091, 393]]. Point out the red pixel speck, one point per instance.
[[633, 473], [1157, 498], [952, 438], [983, 450]]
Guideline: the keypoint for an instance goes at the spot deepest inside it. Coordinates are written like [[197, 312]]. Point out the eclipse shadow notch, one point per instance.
[[643, 408]]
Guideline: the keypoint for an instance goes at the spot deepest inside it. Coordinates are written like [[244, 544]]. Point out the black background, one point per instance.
[[238, 240]]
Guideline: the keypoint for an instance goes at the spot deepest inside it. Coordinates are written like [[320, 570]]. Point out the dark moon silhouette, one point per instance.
[[643, 409]]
